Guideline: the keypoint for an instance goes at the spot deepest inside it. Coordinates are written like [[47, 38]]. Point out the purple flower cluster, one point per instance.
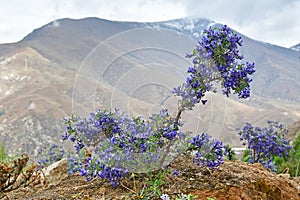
[[195, 87], [49, 155], [216, 58], [265, 143], [91, 168], [209, 152], [119, 142]]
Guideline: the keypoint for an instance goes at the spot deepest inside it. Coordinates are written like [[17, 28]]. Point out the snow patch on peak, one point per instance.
[[196, 35], [296, 47], [190, 26], [174, 24]]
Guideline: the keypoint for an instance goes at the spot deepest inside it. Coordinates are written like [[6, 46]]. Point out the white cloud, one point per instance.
[[18, 18], [272, 21], [134, 10]]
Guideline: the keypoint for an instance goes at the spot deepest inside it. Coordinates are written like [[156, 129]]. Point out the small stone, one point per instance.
[[56, 171]]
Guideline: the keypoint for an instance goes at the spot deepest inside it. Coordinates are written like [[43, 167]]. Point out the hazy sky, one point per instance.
[[273, 21]]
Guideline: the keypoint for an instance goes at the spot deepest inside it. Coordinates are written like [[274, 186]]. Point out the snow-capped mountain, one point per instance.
[[192, 27]]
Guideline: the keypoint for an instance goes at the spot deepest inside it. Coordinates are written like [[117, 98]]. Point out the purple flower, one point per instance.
[[165, 197], [175, 173], [65, 136], [72, 138], [82, 172], [265, 143]]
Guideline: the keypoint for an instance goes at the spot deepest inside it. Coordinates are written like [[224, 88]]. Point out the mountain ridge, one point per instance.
[[91, 27]]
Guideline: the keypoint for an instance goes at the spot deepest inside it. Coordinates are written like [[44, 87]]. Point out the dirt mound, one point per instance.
[[232, 180]]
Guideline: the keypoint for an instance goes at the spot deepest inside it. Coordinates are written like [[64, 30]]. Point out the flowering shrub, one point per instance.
[[120, 143], [209, 152], [216, 58], [110, 144], [50, 155], [265, 143]]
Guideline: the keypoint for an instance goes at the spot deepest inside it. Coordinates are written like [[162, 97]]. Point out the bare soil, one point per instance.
[[234, 180]]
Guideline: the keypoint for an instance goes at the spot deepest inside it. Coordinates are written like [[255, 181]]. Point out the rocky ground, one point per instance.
[[233, 180]]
